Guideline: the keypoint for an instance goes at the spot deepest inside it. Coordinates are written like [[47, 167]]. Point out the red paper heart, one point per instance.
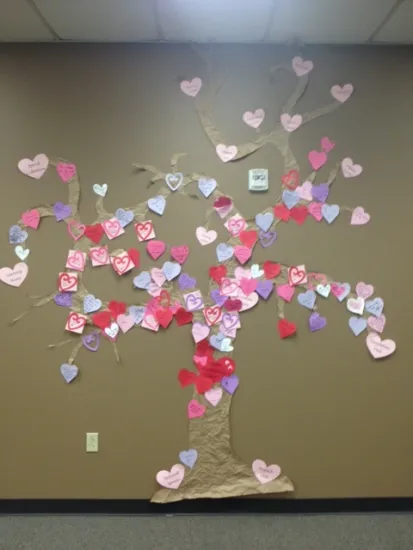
[[271, 269], [122, 263], [67, 282], [164, 317], [183, 317], [248, 238], [217, 272], [204, 348], [76, 321], [286, 328], [281, 212], [102, 319], [291, 179], [212, 314], [299, 214], [116, 308], [227, 364], [144, 229], [231, 304], [295, 275], [135, 256], [222, 201], [187, 377], [94, 232]]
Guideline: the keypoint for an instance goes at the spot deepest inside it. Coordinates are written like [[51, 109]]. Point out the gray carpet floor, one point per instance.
[[341, 532]]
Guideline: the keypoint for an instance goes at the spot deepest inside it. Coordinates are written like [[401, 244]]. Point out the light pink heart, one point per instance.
[[14, 276], [380, 348], [254, 119], [154, 290], [223, 211], [248, 286], [342, 93], [195, 409], [204, 236], [125, 322], [363, 290], [317, 159], [158, 276], [199, 332], [213, 396], [242, 253], [66, 171], [171, 479], [286, 292], [304, 191], [291, 123], [327, 145], [241, 272], [302, 67], [314, 208], [34, 168], [265, 473], [226, 153], [359, 216], [191, 87], [349, 169], [248, 302], [377, 323]]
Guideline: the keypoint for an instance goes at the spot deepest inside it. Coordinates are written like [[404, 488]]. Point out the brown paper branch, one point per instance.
[[42, 301]]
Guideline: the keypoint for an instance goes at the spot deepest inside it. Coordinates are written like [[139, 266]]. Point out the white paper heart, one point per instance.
[[204, 236], [100, 190], [226, 153], [21, 252], [174, 181]]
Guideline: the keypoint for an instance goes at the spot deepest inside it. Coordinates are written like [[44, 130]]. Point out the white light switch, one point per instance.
[[92, 442]]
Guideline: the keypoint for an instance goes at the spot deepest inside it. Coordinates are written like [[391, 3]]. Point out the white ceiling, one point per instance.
[[310, 21]]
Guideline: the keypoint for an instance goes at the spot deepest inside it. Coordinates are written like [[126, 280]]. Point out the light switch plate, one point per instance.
[[258, 179], [92, 442]]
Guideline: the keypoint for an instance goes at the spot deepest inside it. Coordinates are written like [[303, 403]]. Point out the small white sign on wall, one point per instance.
[[258, 179]]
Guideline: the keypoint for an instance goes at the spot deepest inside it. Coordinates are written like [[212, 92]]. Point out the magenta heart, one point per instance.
[[317, 159], [91, 341]]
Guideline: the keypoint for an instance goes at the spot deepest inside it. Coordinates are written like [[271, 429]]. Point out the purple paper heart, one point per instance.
[[91, 341], [267, 238], [320, 192], [316, 322], [186, 282], [61, 211], [264, 289], [217, 297], [230, 383], [230, 320], [63, 299]]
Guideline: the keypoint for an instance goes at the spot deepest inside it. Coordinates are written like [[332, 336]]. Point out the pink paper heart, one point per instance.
[[191, 87], [291, 123], [199, 332], [180, 253], [66, 171], [342, 93], [195, 409], [349, 169], [213, 396], [248, 286], [301, 67], [379, 348], [304, 191], [76, 229], [314, 208], [254, 119], [377, 323], [248, 302], [158, 276], [204, 236], [172, 479], [31, 218], [241, 272], [14, 276], [34, 168], [155, 249], [242, 253], [359, 216], [265, 473], [125, 322], [286, 292], [327, 145], [154, 290], [317, 159], [229, 287], [226, 153], [363, 290]]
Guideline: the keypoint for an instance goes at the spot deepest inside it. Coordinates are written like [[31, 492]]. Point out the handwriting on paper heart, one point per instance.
[[204, 236], [174, 181], [145, 231], [14, 276], [69, 372], [230, 383], [291, 123], [349, 169], [224, 252], [171, 270], [290, 198], [330, 212], [242, 253], [189, 457], [265, 473], [301, 67], [172, 479], [91, 341], [327, 145], [356, 305], [66, 171], [91, 304], [76, 322], [157, 204], [124, 216], [207, 186], [31, 218], [100, 190], [76, 260], [155, 249], [226, 152], [199, 332], [363, 290], [307, 299], [180, 253], [286, 292], [342, 93], [195, 409], [317, 159], [359, 216], [379, 348], [191, 87], [17, 235], [340, 290], [158, 276], [377, 323], [34, 168], [297, 275], [320, 192], [61, 211], [254, 119], [314, 208]]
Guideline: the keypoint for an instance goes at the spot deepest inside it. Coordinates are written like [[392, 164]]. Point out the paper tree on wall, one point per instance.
[[208, 468]]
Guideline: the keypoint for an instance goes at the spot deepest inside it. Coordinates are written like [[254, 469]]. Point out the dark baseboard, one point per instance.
[[206, 506]]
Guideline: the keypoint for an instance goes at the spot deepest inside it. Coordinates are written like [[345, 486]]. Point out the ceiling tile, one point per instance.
[[400, 27], [101, 20], [214, 20], [18, 22], [328, 21]]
